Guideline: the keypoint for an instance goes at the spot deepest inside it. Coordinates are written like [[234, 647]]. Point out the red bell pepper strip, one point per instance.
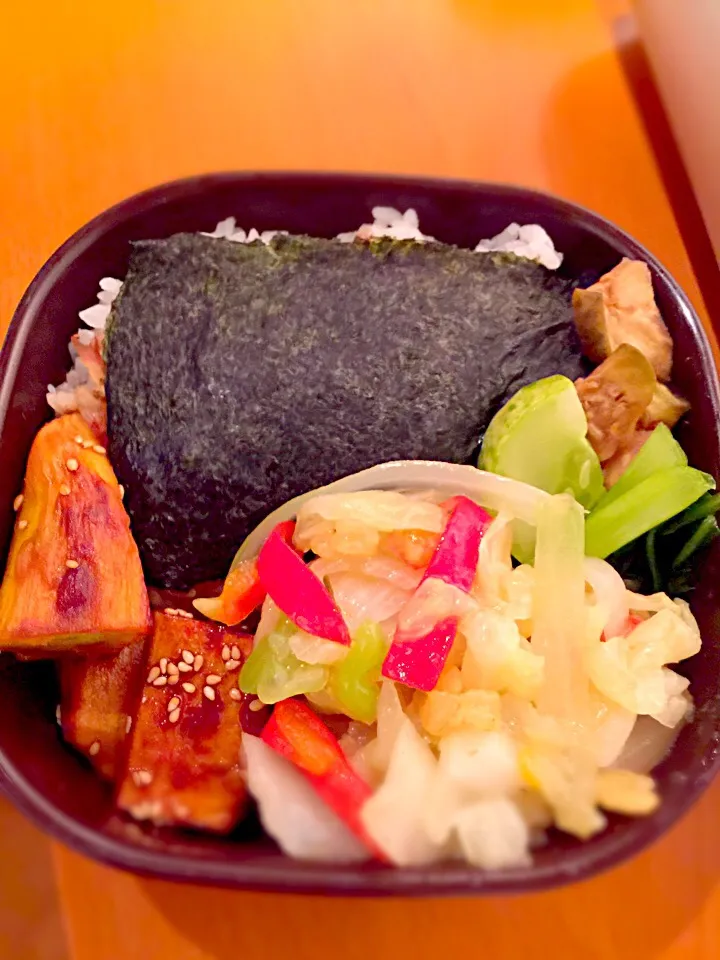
[[632, 621], [298, 734], [242, 593], [418, 661], [295, 589]]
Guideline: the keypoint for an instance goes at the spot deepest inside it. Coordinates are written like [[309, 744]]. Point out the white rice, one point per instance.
[[64, 398], [530, 241]]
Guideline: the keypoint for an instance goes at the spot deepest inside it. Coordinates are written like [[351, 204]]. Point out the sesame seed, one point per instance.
[[188, 657], [160, 682], [172, 669], [234, 694], [144, 699], [232, 665], [154, 674], [235, 652], [209, 693], [98, 449], [72, 564], [121, 491], [186, 614], [58, 713], [142, 778], [163, 665], [64, 489], [189, 687], [172, 703], [87, 444], [18, 502], [184, 667], [197, 663], [22, 524], [225, 652], [79, 439], [128, 724], [169, 611], [94, 748], [173, 680], [255, 705], [174, 716], [72, 464], [212, 679]]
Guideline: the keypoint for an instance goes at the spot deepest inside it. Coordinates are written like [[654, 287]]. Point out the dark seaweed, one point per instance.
[[241, 375]]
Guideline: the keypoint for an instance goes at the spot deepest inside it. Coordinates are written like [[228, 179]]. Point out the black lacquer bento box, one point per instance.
[[54, 788]]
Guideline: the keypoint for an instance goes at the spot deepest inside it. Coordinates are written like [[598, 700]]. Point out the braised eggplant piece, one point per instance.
[[98, 702], [621, 308], [665, 407], [73, 580], [183, 766], [615, 396]]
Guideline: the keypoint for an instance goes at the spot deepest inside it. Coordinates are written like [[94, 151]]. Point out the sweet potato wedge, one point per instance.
[[98, 701], [73, 579], [184, 761]]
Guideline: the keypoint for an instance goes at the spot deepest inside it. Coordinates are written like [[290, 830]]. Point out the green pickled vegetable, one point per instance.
[[661, 451], [540, 437], [646, 505], [355, 681], [273, 672]]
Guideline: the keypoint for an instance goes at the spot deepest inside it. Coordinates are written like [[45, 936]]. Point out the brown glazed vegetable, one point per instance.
[[99, 698], [184, 761], [73, 579], [621, 308]]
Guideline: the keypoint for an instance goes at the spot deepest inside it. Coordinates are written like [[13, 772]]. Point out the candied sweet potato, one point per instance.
[[98, 701], [73, 579], [183, 766]]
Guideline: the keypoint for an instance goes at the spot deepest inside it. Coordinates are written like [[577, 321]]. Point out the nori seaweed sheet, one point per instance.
[[239, 376]]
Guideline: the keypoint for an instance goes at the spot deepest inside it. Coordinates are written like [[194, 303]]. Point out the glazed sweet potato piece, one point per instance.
[[98, 701], [73, 579], [184, 762]]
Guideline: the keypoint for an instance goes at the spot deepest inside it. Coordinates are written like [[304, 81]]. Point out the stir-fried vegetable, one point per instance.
[[242, 593], [273, 672], [417, 658], [644, 506], [355, 682], [559, 608], [296, 590], [293, 813], [661, 451], [540, 437], [299, 735], [520, 500]]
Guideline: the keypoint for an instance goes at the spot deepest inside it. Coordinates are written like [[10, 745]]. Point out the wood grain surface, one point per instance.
[[98, 100]]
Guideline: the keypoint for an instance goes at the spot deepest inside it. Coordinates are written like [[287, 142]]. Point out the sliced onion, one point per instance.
[[610, 594], [648, 744], [292, 813], [492, 491]]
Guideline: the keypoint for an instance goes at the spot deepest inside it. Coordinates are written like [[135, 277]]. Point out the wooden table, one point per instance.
[[100, 100]]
